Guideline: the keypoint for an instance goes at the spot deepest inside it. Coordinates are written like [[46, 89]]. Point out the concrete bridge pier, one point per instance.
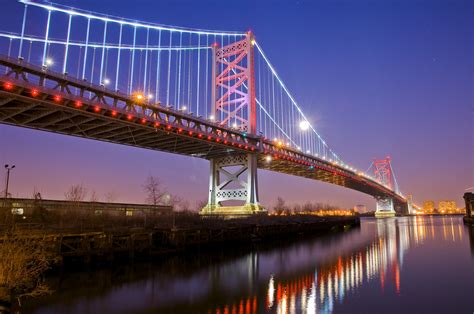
[[385, 207], [233, 179]]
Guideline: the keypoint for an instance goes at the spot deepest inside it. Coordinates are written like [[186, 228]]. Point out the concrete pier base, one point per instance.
[[237, 211], [384, 208], [385, 214]]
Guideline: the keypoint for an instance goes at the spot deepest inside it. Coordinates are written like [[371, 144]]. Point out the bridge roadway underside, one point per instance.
[[19, 110], [36, 114], [288, 167]]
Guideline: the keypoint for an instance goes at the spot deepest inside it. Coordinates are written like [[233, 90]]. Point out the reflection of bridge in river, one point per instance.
[[318, 289], [317, 275]]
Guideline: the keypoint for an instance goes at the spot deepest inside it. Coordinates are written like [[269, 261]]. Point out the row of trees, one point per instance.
[[155, 194], [281, 207]]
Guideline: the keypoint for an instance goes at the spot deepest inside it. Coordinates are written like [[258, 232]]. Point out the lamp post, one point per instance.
[[8, 168]]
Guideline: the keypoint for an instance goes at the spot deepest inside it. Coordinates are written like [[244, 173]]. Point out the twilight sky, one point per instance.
[[376, 78]]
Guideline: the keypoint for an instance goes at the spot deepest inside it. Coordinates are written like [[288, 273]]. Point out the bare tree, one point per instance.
[[94, 197], [201, 204], [76, 193], [182, 206], [154, 191], [280, 206], [111, 197]]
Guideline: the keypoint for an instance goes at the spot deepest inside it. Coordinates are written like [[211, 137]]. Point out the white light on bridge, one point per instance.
[[48, 61], [268, 158], [150, 96], [212, 118], [106, 81], [304, 125], [184, 108]]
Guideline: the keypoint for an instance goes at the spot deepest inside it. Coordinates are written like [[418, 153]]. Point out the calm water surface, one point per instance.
[[399, 265]]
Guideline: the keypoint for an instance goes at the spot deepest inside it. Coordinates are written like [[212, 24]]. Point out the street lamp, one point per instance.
[[8, 168]]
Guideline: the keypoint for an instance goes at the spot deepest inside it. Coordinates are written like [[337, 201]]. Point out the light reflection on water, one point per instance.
[[351, 272]]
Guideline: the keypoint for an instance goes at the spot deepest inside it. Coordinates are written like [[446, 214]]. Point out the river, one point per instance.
[[396, 265]]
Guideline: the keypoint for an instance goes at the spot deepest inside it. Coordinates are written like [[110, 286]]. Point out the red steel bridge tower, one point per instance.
[[233, 178], [383, 172]]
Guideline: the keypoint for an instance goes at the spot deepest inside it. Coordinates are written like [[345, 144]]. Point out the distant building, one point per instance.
[[26, 206], [447, 207], [428, 207], [361, 209]]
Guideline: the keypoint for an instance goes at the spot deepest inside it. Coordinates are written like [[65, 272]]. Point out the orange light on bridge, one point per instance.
[[78, 104], [129, 117], [97, 109], [138, 96], [157, 124], [143, 120], [113, 113], [57, 98], [34, 93]]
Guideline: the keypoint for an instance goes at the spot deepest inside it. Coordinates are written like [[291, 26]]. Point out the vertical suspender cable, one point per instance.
[[198, 74], [103, 54], [119, 51], [207, 71], [79, 62], [130, 87], [189, 74], [66, 49], [46, 38], [85, 48], [178, 102], [169, 71], [157, 88], [146, 62], [22, 31]]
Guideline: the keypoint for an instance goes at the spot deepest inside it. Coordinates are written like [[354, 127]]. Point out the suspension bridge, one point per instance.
[[202, 93]]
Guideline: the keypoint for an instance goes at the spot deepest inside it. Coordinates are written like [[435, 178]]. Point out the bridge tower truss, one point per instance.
[[233, 178], [383, 172], [233, 85]]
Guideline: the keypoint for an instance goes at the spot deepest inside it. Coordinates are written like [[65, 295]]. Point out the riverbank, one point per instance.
[[79, 247], [346, 267]]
